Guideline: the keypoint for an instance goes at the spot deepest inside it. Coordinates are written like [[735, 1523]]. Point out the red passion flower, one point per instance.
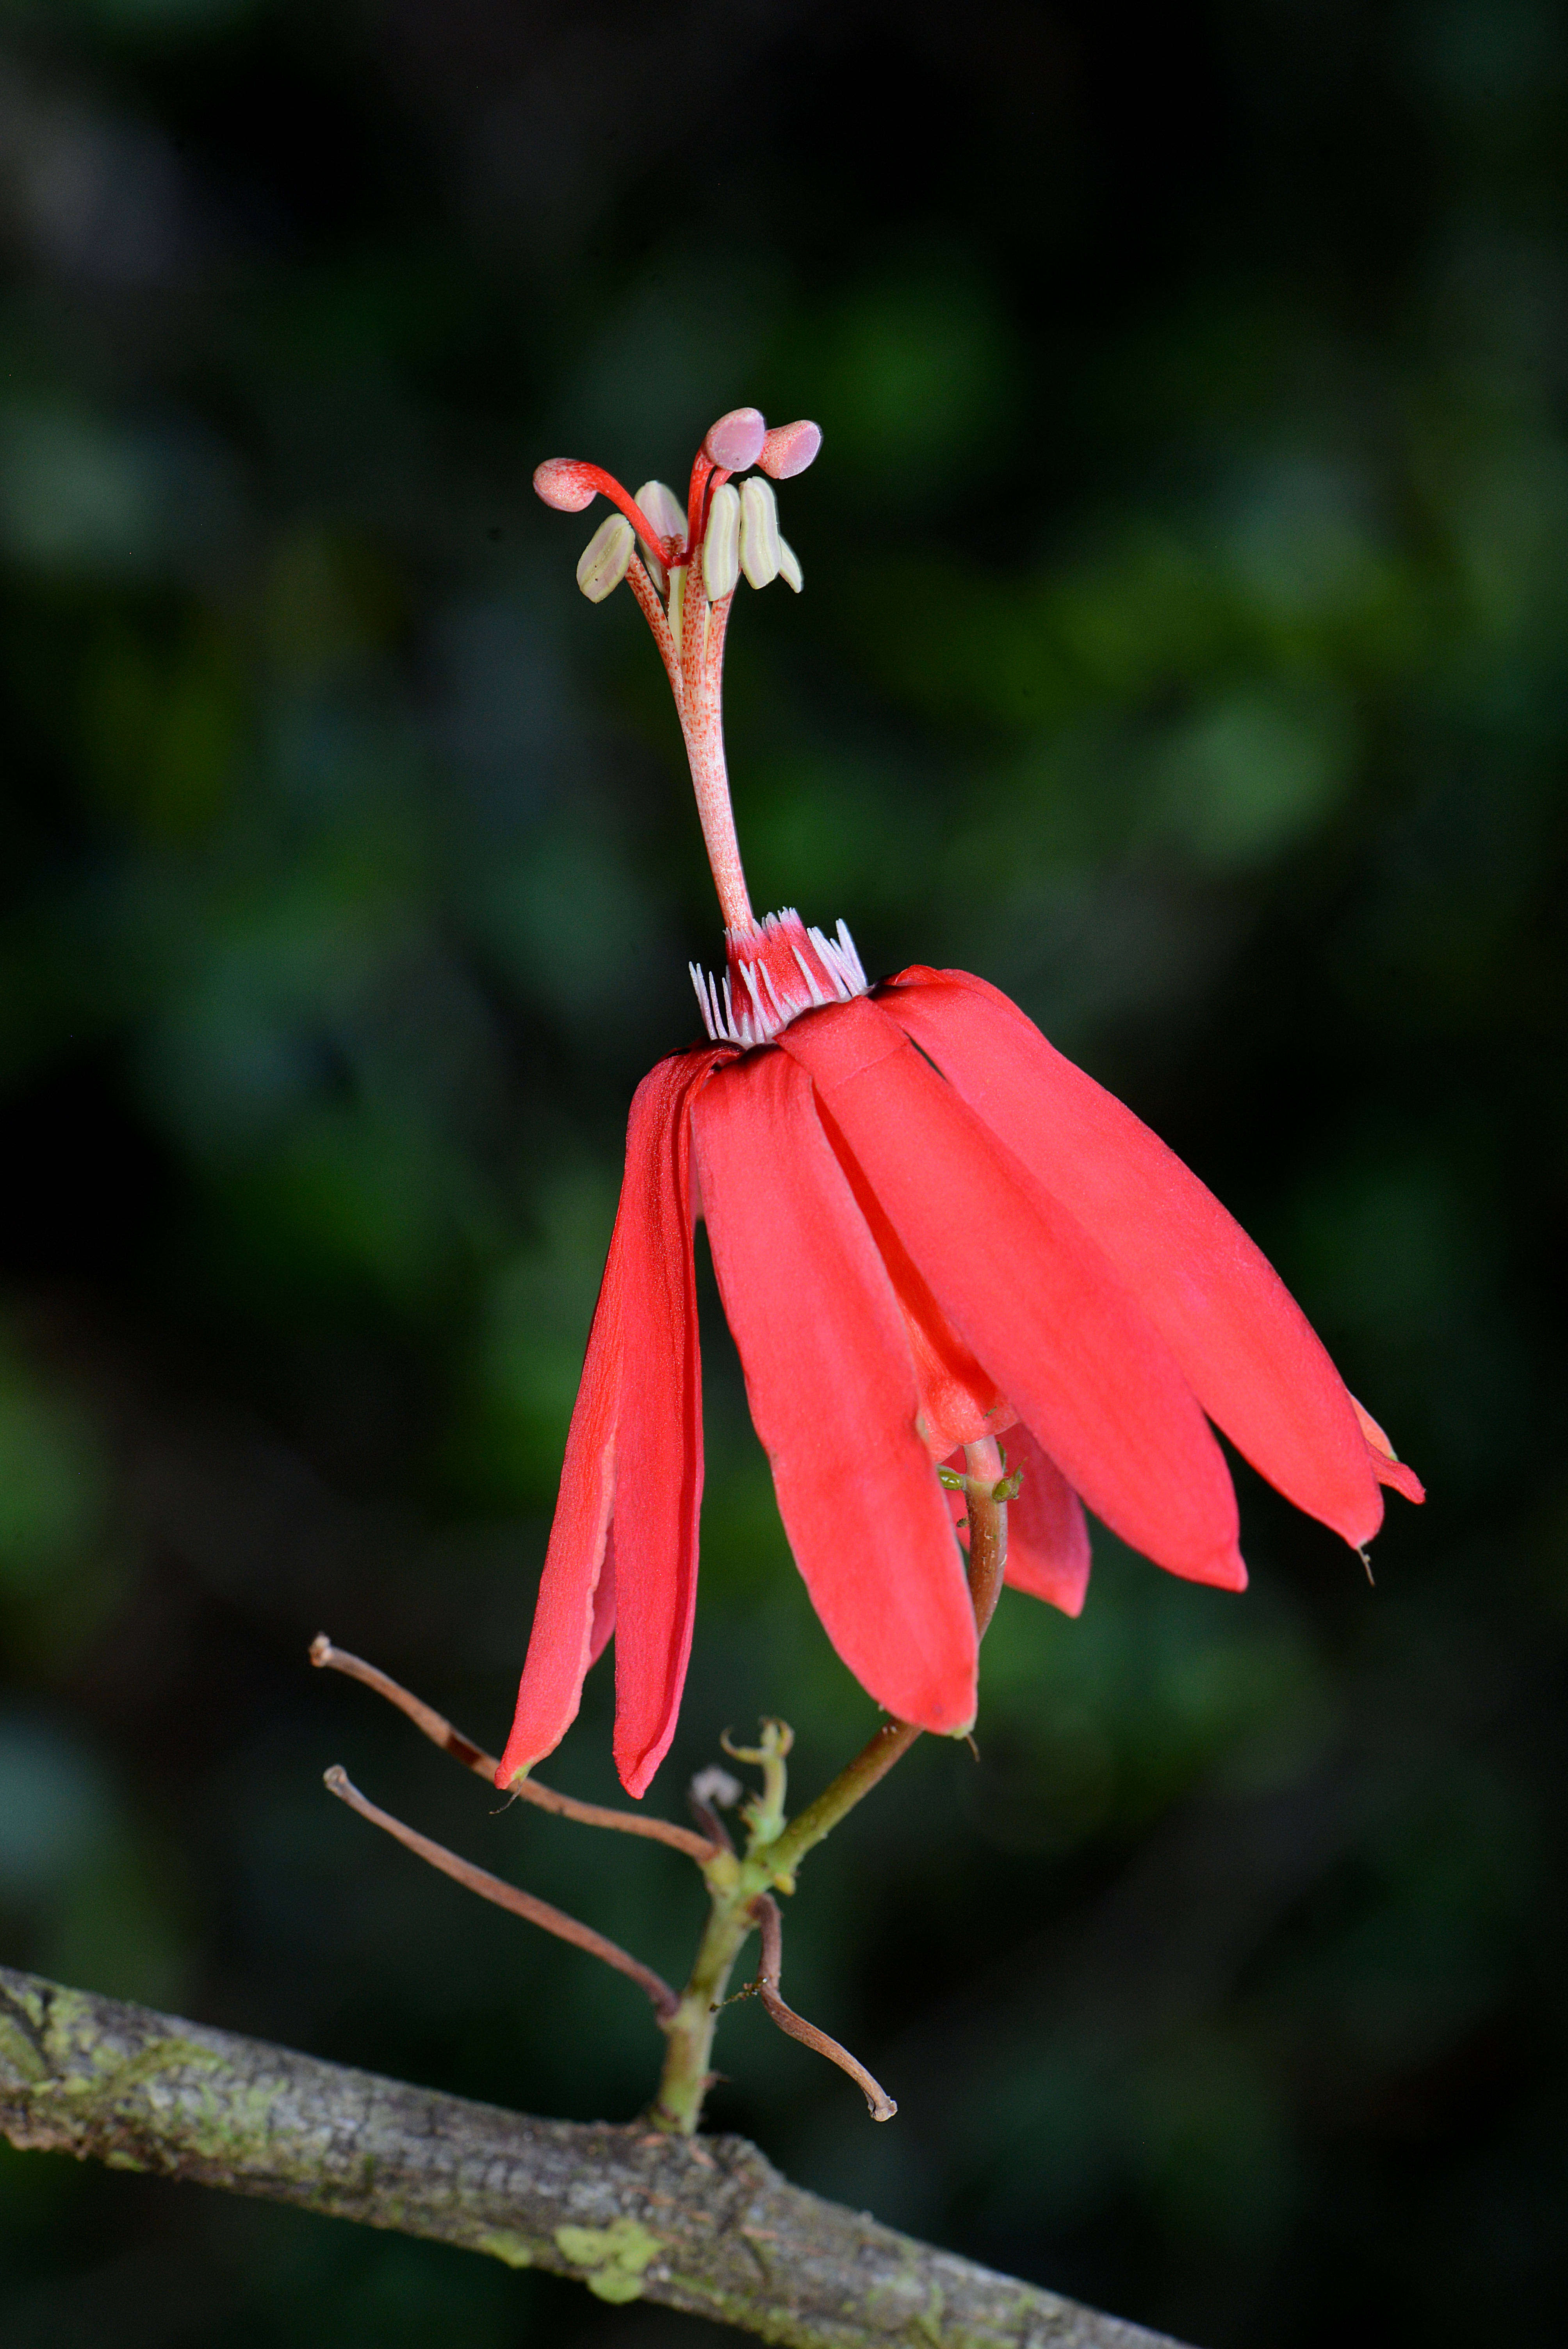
[[928, 1228]]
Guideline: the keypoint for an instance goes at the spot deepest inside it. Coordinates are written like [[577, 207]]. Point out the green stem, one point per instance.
[[775, 1851], [688, 2057], [871, 1765]]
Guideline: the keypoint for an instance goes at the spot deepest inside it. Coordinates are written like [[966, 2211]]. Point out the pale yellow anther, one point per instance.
[[760, 540], [721, 544], [602, 564], [789, 566]]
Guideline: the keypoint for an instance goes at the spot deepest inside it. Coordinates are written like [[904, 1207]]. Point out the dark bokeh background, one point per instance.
[[1183, 648]]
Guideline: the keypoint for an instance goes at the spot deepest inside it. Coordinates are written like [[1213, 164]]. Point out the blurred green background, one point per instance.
[[1183, 648]]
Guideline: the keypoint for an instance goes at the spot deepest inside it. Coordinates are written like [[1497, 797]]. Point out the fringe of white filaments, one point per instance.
[[772, 1007]]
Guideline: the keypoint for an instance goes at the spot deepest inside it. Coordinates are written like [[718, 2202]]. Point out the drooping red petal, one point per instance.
[[566, 1615], [658, 1443], [1048, 1538], [1243, 1344], [833, 1394], [1038, 1302]]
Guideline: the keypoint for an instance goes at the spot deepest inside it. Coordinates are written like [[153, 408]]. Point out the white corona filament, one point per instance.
[[772, 1007]]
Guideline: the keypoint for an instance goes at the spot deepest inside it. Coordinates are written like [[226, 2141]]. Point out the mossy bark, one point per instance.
[[702, 2224]]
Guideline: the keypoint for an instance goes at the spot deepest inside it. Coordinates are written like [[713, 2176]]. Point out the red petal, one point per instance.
[[658, 1443], [1386, 1465], [1047, 1539], [957, 1403], [1029, 1293], [609, 1436], [602, 1629], [833, 1394], [561, 1646], [1243, 1344]]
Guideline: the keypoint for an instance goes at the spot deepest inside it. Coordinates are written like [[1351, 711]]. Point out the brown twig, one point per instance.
[[506, 1896], [439, 1731], [765, 1909]]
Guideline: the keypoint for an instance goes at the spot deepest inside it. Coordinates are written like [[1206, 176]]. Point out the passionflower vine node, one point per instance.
[[929, 1229]]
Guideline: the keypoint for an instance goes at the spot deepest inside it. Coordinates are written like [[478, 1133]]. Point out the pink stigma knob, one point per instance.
[[734, 442], [566, 483], [788, 449]]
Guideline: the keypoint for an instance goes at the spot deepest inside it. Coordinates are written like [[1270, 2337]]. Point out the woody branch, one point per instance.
[[707, 2227]]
